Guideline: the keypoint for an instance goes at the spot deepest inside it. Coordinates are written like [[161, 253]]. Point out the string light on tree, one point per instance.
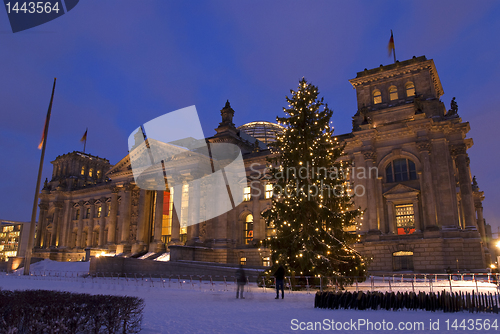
[[313, 225]]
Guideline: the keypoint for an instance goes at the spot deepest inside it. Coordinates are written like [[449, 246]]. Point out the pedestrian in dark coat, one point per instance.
[[280, 281], [241, 280]]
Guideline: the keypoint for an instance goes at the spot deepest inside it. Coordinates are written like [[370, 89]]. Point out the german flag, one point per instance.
[[84, 137], [43, 134], [391, 48]]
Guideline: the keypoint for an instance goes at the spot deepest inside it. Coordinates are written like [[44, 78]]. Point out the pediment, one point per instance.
[[175, 156], [401, 189]]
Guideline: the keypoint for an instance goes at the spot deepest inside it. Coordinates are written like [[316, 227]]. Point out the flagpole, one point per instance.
[[31, 237], [394, 48], [85, 143]]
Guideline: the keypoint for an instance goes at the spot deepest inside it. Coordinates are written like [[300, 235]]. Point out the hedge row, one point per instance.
[[42, 311]]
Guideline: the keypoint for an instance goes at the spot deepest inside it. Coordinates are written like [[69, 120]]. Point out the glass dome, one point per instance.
[[265, 132]]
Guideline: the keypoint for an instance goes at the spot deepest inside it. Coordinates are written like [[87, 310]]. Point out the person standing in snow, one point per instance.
[[280, 281], [241, 280]]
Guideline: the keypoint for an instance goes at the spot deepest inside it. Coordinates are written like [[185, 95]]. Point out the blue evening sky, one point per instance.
[[121, 63]]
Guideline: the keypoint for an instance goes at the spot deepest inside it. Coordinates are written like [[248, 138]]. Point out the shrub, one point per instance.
[[41, 311]]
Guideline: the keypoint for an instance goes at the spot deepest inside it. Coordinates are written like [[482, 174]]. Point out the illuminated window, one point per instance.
[[108, 211], [405, 219], [269, 190], [99, 209], [402, 260], [243, 261], [91, 172], [270, 229], [377, 97], [393, 93], [98, 174], [248, 229], [410, 89], [246, 194], [83, 170], [266, 261], [400, 170], [87, 213], [184, 212]]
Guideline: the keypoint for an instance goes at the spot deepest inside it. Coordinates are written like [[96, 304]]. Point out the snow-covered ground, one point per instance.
[[203, 308]]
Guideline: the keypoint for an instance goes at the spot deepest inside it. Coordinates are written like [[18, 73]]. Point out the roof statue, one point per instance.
[[453, 108]]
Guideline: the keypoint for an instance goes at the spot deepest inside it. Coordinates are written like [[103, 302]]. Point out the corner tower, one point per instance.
[[418, 197]]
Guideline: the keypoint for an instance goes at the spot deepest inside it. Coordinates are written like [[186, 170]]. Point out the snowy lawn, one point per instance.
[[191, 309]]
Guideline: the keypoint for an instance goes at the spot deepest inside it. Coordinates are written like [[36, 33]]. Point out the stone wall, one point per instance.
[[137, 268], [458, 250], [232, 256], [59, 255]]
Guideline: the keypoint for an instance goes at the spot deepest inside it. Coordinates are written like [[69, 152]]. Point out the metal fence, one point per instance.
[[309, 284]]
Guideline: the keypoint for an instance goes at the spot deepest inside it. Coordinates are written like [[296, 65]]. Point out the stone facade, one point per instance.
[[423, 211]]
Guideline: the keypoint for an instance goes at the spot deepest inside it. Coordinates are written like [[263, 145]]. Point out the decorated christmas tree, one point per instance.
[[312, 210]]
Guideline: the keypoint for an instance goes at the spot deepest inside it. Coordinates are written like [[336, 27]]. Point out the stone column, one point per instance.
[[90, 233], [380, 206], [360, 188], [55, 224], [79, 234], [459, 153], [444, 183], [65, 223], [39, 242], [480, 221], [143, 205], [158, 215], [370, 157], [157, 245], [391, 217], [125, 213], [258, 192], [113, 216], [102, 222], [194, 210], [70, 237], [426, 188], [176, 224], [416, 215]]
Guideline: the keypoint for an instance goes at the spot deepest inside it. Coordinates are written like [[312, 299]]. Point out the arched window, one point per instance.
[[393, 93], [248, 232], [98, 174], [410, 89], [400, 170], [83, 170], [91, 172], [377, 96]]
